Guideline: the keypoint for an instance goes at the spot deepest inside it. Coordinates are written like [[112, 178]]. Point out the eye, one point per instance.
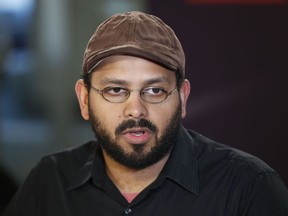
[[153, 91], [115, 91]]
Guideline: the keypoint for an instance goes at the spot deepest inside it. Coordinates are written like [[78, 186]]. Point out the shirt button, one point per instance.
[[128, 211]]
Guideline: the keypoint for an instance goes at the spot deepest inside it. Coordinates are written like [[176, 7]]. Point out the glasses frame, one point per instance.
[[101, 92]]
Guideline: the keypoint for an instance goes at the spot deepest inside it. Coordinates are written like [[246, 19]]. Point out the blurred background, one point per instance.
[[237, 61]]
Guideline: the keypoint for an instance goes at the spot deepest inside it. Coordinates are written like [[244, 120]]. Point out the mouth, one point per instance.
[[136, 135]]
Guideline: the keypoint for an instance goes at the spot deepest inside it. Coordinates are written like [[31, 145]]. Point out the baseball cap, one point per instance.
[[137, 34]]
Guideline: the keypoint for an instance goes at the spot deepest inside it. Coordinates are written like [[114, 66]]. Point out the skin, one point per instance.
[[132, 73]]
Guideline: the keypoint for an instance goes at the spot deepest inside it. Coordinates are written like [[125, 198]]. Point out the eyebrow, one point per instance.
[[106, 81], [116, 81], [157, 80]]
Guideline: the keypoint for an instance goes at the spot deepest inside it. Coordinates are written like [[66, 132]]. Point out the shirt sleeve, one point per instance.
[[268, 197], [24, 202]]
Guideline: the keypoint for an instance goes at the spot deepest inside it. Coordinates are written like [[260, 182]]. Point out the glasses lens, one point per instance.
[[150, 95], [115, 94], [153, 95]]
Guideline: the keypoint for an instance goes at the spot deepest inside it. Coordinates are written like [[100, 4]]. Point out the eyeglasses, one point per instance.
[[150, 95]]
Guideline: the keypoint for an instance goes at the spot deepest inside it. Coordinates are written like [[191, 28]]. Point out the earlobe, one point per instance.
[[184, 94], [83, 98]]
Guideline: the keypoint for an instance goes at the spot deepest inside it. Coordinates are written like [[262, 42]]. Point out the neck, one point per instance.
[[129, 180]]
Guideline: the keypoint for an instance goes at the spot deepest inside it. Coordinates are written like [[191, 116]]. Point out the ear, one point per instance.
[[83, 98], [184, 94]]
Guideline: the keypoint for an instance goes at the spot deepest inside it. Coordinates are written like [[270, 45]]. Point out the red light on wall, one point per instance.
[[246, 2]]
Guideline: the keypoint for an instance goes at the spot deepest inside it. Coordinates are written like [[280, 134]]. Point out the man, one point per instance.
[[134, 93]]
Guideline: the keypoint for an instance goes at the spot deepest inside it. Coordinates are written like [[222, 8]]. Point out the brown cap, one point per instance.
[[136, 34]]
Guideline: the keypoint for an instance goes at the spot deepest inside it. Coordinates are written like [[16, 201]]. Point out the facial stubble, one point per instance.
[[138, 158]]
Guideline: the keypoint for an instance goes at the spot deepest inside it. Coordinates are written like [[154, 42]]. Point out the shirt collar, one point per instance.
[[180, 168], [94, 169], [182, 164], [83, 174]]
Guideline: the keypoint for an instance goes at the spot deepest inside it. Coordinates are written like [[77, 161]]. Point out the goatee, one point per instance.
[[138, 158]]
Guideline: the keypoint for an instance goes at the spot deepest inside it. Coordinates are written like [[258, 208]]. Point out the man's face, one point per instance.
[[135, 133], [140, 156]]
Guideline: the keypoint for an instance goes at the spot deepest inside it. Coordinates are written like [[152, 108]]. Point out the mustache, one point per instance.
[[127, 124]]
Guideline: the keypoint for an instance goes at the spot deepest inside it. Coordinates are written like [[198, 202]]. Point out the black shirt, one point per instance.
[[200, 178]]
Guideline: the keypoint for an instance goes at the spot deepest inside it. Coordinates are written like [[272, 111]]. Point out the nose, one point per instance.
[[135, 107]]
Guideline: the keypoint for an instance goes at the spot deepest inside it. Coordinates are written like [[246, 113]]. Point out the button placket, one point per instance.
[[128, 211]]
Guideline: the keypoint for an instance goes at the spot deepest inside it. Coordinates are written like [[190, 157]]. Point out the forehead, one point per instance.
[[131, 69]]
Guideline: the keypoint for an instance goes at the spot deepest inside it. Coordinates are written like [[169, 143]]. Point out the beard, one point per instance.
[[138, 158]]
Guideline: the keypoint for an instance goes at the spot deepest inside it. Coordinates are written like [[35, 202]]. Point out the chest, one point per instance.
[[169, 199]]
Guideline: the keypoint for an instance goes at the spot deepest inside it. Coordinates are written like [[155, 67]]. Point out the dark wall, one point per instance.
[[237, 63]]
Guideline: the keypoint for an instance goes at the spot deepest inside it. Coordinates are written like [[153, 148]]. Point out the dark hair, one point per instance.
[[179, 80], [87, 80]]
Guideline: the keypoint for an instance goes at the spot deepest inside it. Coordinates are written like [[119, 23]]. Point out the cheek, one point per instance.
[[108, 117], [162, 117]]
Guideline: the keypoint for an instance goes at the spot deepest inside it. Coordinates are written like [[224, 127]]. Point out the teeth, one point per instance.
[[140, 133]]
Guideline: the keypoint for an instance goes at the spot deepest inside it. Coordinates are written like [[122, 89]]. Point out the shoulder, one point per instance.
[[248, 183], [64, 163], [77, 154], [210, 152], [48, 180]]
